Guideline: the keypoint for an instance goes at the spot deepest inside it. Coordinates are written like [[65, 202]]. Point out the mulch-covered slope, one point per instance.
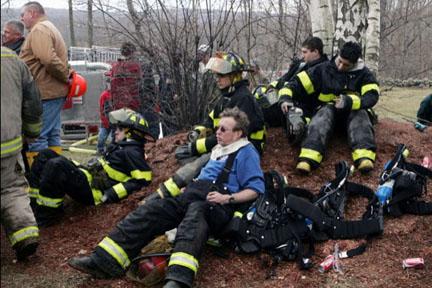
[[380, 266]]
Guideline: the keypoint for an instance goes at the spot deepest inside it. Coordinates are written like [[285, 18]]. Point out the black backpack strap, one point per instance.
[[418, 169], [417, 207], [336, 229], [223, 176]]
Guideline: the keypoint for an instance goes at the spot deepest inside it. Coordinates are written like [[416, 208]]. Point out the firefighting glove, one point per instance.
[[193, 135], [109, 196], [184, 151], [344, 103], [296, 125]]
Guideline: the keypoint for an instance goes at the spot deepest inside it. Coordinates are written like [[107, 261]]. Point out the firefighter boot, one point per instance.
[[46, 216], [365, 166], [303, 167], [25, 248], [87, 265], [30, 155]]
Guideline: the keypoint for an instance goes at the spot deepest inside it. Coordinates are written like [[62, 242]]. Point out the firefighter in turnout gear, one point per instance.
[[228, 182], [227, 68], [294, 118], [21, 114], [121, 171], [345, 89]]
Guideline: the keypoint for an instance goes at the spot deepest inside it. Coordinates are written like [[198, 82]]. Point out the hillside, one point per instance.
[[380, 266]]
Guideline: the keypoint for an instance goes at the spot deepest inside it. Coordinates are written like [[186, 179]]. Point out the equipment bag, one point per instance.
[[268, 225]]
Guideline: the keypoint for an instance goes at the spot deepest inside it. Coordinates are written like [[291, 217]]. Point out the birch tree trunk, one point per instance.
[[71, 24], [322, 22], [90, 23], [372, 36], [351, 22]]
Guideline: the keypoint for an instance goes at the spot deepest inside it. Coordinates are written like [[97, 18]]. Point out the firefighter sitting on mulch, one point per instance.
[[121, 171], [228, 182], [227, 68]]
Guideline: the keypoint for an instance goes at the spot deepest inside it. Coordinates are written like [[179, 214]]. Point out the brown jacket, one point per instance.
[[44, 51]]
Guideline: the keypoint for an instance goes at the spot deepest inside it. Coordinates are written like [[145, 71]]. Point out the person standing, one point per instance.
[[21, 113], [44, 51], [105, 107], [13, 35]]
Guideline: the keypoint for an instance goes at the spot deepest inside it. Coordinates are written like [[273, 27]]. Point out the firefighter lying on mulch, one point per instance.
[[121, 171]]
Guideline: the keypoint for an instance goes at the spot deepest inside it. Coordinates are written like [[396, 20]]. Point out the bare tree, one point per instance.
[[71, 23], [90, 23]]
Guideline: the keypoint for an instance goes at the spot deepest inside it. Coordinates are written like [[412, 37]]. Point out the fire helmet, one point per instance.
[[227, 63], [135, 122], [77, 86]]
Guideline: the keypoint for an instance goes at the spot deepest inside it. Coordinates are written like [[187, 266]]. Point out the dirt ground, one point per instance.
[[380, 266]]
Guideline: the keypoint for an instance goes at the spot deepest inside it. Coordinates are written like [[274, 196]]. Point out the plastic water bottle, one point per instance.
[[385, 190]]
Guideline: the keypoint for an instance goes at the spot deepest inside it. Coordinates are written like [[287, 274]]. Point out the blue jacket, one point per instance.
[[246, 172]]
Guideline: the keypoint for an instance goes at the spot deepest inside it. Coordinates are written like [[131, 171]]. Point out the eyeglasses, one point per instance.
[[223, 129]]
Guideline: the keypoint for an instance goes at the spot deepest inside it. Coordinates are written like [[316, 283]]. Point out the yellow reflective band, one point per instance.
[[368, 87], [307, 120], [138, 174], [326, 97], [200, 146], [405, 153], [33, 128], [259, 135], [112, 173], [311, 154], [185, 260], [211, 115], [11, 146], [120, 190], [363, 153], [200, 129], [356, 101], [33, 192], [238, 214], [49, 202], [22, 234], [172, 187], [285, 92], [96, 193], [273, 84], [115, 251], [8, 55], [306, 82]]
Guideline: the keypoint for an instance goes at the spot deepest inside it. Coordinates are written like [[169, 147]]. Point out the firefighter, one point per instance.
[[296, 118], [227, 68], [424, 114], [345, 89], [228, 182], [121, 171], [21, 113]]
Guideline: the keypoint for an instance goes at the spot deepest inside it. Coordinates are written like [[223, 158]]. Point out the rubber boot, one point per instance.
[[25, 248], [30, 155], [57, 149]]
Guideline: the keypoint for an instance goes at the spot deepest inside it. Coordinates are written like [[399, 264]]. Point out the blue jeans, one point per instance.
[[102, 137], [51, 125]]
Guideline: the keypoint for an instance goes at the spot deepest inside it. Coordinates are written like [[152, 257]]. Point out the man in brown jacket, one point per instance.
[[44, 51], [21, 113]]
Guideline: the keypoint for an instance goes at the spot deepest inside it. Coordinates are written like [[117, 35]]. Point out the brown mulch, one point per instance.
[[380, 266]]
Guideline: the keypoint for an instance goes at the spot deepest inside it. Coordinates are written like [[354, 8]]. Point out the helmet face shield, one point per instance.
[[219, 66]]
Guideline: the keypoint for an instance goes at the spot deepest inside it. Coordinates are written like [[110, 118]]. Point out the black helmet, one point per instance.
[[137, 125]]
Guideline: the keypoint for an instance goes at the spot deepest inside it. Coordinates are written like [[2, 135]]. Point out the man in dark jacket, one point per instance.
[[121, 171], [300, 114], [345, 89], [424, 114], [13, 35], [228, 68], [228, 182]]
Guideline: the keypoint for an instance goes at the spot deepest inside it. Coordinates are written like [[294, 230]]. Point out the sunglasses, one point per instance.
[[223, 129]]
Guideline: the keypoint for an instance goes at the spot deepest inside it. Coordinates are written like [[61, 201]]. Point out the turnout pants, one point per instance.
[[359, 129], [190, 212], [16, 214], [51, 177]]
